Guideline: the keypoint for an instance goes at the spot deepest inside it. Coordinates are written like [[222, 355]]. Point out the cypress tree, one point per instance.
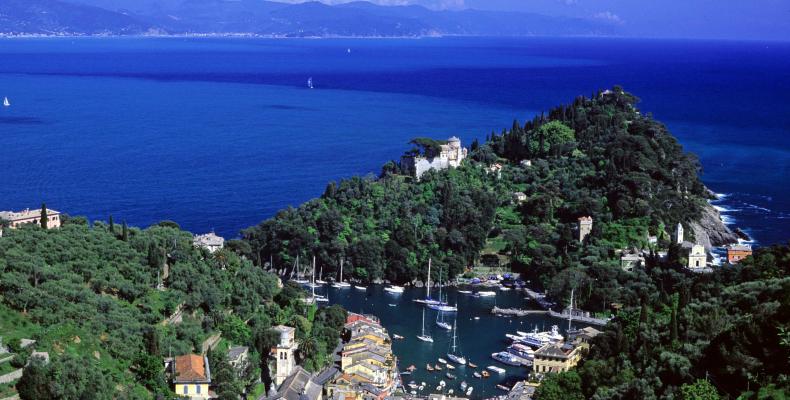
[[44, 217], [673, 323], [112, 225], [124, 232]]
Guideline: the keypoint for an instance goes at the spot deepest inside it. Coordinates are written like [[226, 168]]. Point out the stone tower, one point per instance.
[[679, 234], [585, 227], [285, 353]]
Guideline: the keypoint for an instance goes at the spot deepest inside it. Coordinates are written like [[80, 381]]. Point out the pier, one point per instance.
[[516, 312]]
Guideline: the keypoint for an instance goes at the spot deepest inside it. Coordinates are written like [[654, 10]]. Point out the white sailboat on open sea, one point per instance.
[[310, 83], [6, 103]]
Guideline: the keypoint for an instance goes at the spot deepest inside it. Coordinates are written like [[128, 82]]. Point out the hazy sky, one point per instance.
[[731, 19]]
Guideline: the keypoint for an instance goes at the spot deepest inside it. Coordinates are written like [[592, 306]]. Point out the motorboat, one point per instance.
[[494, 368], [362, 288], [506, 358], [471, 365], [477, 375], [394, 289], [442, 360], [520, 350], [485, 294]]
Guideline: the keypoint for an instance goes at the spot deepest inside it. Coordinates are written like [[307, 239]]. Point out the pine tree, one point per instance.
[[112, 225], [44, 217], [124, 232]]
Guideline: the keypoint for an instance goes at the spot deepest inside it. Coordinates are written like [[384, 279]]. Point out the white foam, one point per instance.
[[722, 209], [727, 220], [721, 196]]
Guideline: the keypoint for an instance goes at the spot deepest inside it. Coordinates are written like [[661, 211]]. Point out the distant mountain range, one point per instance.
[[269, 18]]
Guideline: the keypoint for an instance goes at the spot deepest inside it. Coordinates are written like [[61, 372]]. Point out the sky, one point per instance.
[[714, 19]]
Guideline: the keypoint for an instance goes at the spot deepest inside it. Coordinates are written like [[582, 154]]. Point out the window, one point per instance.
[[186, 389], [197, 389]]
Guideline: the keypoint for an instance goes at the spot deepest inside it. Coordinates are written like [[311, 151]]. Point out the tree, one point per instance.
[[44, 217], [224, 377], [551, 134], [112, 225], [699, 390], [34, 383], [561, 386], [124, 232]]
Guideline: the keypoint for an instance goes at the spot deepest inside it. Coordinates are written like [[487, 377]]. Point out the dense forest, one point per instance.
[[97, 298], [723, 335], [597, 156]]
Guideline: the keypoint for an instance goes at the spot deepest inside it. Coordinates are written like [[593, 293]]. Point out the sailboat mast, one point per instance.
[[313, 285], [428, 286], [455, 334], [423, 322], [570, 311]]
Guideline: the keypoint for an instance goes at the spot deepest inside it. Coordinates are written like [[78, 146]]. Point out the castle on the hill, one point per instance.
[[450, 155]]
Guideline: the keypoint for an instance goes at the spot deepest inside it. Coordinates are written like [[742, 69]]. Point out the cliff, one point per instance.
[[710, 231]]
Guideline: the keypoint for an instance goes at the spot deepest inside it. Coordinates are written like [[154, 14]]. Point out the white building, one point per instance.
[[679, 234], [450, 156], [585, 227], [285, 351], [209, 241], [698, 258], [16, 219]]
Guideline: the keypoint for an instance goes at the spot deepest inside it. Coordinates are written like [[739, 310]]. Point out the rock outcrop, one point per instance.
[[710, 231]]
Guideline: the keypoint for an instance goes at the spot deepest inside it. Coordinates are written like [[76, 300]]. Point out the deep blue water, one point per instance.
[[221, 133]]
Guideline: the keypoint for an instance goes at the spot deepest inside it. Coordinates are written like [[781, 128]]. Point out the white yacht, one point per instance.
[[423, 336], [340, 284], [453, 355]]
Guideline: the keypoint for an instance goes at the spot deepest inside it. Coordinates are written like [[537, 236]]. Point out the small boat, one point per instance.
[[442, 360], [394, 289], [6, 103], [444, 325], [477, 318], [494, 368], [398, 337], [465, 291], [437, 367], [469, 391], [425, 338], [321, 299], [310, 82], [503, 387], [471, 365], [442, 383], [439, 388], [362, 288], [450, 366], [392, 305], [477, 375], [450, 376], [485, 374], [413, 392], [443, 307], [411, 368], [300, 281], [485, 294], [405, 373], [504, 288], [428, 367], [450, 392], [421, 387], [463, 385]]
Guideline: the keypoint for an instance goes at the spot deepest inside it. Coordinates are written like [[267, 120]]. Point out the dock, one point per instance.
[[579, 318], [515, 312]]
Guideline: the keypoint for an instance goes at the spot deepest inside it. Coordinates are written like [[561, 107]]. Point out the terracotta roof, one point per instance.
[[550, 350], [192, 368]]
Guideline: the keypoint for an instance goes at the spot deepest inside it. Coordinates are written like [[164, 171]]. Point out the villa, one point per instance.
[[209, 241], [737, 252], [449, 155], [191, 376], [16, 219]]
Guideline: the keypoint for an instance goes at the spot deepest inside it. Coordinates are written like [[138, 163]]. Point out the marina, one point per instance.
[[478, 334]]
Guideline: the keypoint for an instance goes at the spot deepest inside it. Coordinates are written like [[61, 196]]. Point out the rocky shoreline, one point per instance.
[[710, 231]]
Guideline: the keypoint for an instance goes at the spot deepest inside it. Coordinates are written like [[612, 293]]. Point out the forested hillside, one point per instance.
[[88, 295], [596, 156], [724, 335]]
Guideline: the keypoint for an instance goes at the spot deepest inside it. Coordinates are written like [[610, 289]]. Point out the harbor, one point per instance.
[[492, 360]]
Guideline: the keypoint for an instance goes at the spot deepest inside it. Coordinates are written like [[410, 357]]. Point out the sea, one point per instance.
[[219, 134]]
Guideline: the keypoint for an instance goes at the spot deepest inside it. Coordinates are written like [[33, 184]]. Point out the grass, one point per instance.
[[7, 390], [14, 325], [258, 391]]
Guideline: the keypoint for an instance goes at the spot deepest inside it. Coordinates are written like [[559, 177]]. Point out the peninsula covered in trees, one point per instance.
[[102, 299]]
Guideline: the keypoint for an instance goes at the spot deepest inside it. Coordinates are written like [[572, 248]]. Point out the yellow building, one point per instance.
[[556, 358], [192, 376]]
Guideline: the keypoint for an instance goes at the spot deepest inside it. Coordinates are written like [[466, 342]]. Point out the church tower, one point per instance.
[[285, 353], [585, 227], [679, 234]]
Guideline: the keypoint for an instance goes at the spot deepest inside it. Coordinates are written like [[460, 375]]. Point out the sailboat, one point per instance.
[[427, 299], [299, 277], [440, 322], [341, 284], [310, 83], [320, 281], [441, 305], [6, 103], [453, 355], [313, 285], [424, 337]]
